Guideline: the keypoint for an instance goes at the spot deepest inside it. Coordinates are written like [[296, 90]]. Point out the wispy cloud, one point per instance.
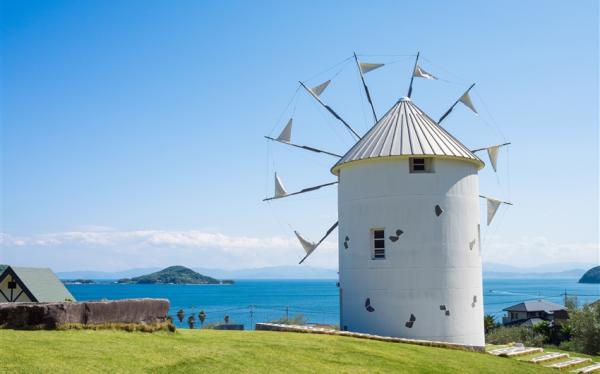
[[140, 248], [163, 238], [538, 250], [102, 248]]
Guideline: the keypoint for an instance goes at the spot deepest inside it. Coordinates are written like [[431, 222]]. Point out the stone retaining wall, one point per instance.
[[52, 315], [320, 330]]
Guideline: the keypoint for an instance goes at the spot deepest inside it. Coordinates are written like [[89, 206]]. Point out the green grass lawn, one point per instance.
[[233, 351]]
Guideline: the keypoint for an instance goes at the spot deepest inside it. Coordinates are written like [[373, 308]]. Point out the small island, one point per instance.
[[591, 276], [174, 275], [79, 281]]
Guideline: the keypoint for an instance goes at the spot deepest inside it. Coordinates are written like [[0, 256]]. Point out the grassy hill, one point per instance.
[[233, 351], [173, 275]]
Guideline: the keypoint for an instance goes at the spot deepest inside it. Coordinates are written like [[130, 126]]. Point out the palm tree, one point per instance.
[[191, 321], [180, 315], [226, 319], [489, 323], [202, 317]]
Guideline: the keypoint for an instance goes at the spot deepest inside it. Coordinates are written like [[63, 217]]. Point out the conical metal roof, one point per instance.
[[406, 131]]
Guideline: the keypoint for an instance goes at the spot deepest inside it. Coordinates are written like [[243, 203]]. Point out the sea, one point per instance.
[[314, 301]]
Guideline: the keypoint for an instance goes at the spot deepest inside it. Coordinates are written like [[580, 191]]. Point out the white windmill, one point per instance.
[[408, 223]]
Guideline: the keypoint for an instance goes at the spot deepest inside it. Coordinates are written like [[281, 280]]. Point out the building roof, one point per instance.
[[41, 283], [535, 306], [405, 130]]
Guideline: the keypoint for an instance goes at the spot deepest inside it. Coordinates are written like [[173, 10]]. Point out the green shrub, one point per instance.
[[297, 319], [515, 334], [566, 345], [129, 327]]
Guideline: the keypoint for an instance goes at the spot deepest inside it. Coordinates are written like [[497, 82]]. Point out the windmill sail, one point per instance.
[[466, 99], [492, 208], [286, 134], [309, 247], [366, 67], [318, 90], [279, 188], [493, 155], [281, 192], [315, 92], [493, 152], [420, 73]]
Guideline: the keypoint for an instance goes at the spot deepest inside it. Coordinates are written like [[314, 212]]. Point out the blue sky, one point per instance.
[[132, 130]]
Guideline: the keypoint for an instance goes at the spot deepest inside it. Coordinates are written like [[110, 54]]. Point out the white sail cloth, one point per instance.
[[420, 73], [366, 67], [309, 247], [318, 90], [280, 190], [493, 155], [466, 100], [286, 134], [492, 208]]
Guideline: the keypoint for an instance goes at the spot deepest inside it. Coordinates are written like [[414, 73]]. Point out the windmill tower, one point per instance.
[[409, 251], [408, 223]]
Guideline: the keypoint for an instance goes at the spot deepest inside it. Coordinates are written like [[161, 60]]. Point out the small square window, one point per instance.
[[378, 238], [421, 165]]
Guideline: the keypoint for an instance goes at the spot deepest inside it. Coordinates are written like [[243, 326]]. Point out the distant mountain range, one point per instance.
[[490, 271], [552, 271]]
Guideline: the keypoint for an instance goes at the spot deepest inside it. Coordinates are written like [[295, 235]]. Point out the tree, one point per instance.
[[544, 329], [489, 323], [180, 315], [191, 321], [585, 329], [226, 319], [202, 317], [571, 302]]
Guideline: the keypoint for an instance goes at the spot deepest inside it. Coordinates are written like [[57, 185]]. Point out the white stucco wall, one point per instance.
[[431, 264]]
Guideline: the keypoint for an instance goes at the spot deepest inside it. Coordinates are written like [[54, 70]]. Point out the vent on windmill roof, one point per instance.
[[406, 131]]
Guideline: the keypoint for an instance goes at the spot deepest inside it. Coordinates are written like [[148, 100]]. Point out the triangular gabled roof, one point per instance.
[[535, 306], [40, 284], [406, 131]]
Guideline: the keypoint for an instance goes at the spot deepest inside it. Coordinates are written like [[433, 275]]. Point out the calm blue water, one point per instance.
[[317, 300]]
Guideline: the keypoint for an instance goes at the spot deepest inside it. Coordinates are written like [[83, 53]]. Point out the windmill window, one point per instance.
[[421, 165], [378, 237]]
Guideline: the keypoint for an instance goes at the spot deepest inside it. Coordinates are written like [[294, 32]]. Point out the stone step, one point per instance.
[[515, 351], [549, 357], [498, 351], [588, 369], [522, 352], [574, 361]]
